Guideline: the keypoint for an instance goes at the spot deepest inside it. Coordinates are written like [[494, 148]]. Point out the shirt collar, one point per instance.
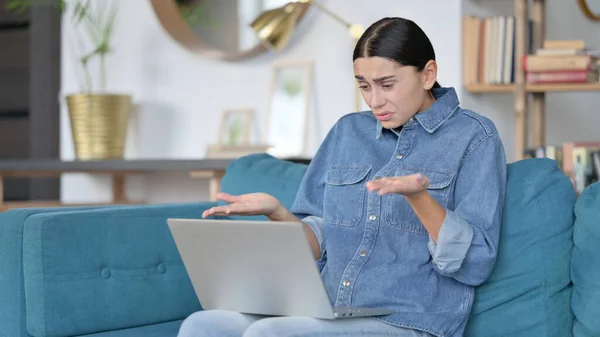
[[431, 119]]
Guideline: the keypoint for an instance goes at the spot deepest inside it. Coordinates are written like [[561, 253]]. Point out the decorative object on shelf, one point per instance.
[[235, 136], [287, 116], [236, 127], [99, 124], [99, 120], [590, 8], [274, 28], [217, 29]]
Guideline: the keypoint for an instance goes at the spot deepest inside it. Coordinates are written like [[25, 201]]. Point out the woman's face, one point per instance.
[[394, 92]]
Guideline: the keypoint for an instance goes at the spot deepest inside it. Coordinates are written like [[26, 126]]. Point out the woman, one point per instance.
[[402, 204]]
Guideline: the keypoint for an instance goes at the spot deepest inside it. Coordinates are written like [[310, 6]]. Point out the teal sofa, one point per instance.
[[115, 271]]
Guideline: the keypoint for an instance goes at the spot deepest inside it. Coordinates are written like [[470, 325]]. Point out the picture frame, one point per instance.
[[288, 109], [236, 127]]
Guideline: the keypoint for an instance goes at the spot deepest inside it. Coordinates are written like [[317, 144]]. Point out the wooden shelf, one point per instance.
[[505, 88], [594, 86], [489, 88]]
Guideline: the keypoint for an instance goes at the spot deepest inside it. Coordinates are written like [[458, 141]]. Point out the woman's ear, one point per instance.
[[429, 74]]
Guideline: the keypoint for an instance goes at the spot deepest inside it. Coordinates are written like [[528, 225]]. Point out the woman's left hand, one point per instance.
[[405, 185]]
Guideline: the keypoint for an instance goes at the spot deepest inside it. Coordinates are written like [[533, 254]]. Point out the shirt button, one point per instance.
[[399, 156], [363, 253], [346, 283], [372, 217]]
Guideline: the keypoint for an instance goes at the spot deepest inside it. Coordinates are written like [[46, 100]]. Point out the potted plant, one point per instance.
[[99, 119]]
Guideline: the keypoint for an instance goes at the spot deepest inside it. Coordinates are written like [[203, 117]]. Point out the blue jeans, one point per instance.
[[221, 323]]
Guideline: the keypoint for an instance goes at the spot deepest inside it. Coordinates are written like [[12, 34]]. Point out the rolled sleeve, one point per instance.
[[316, 224], [467, 245], [454, 240]]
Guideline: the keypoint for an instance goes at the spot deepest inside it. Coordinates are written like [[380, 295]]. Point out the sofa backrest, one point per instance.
[[529, 291], [585, 263]]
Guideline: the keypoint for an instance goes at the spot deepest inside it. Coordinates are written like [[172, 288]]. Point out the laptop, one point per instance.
[[256, 267]]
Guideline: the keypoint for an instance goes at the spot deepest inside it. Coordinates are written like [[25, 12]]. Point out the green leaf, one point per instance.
[[18, 6], [110, 24], [21, 6], [80, 11], [196, 14], [95, 25]]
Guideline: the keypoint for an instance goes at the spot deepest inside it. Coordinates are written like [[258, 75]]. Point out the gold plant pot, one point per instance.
[[99, 125]]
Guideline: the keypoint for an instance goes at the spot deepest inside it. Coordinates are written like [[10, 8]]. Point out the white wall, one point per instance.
[[569, 116], [179, 96]]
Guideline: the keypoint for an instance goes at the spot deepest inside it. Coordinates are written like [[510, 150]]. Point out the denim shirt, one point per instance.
[[375, 252]]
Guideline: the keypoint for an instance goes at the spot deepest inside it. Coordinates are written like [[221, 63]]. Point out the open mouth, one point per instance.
[[384, 116]]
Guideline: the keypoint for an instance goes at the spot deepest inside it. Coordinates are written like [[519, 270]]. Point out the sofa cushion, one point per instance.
[[585, 263], [263, 173], [100, 270], [169, 329], [529, 292]]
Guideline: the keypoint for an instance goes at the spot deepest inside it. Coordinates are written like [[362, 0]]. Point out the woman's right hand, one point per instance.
[[247, 204], [261, 204]]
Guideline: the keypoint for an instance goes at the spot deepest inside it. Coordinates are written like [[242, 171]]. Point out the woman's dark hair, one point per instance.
[[400, 40]]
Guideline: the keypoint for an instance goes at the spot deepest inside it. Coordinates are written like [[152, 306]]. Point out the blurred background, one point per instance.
[[105, 101]]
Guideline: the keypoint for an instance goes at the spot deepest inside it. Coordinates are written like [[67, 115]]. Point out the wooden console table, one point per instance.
[[212, 169]]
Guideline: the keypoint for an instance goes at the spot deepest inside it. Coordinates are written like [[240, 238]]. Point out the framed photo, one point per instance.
[[236, 127], [287, 115]]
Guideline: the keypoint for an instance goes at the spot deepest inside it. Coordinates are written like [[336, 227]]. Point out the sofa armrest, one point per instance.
[[105, 269], [12, 301]]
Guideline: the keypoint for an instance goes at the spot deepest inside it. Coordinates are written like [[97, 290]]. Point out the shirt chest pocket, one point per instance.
[[398, 212], [345, 193]]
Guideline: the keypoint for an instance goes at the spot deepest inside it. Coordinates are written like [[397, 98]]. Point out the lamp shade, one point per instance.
[[275, 27]]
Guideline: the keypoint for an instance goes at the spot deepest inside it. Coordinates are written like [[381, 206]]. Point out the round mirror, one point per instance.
[[218, 29], [591, 9]]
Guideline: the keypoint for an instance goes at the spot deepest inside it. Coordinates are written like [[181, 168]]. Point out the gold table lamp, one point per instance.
[[275, 27]]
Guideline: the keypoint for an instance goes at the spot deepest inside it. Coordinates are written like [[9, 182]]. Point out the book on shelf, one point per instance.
[[580, 161], [562, 61], [488, 49], [561, 76]]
